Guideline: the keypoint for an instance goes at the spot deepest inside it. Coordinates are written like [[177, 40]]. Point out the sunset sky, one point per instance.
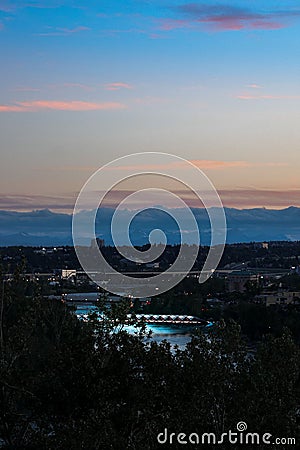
[[84, 82]]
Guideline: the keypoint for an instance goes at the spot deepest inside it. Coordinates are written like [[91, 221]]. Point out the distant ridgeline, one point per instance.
[[47, 228]]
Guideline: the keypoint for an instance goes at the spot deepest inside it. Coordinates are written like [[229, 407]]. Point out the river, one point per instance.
[[176, 335]]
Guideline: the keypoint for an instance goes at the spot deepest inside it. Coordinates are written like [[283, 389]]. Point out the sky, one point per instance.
[[83, 83]]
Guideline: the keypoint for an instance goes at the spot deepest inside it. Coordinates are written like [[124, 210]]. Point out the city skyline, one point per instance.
[[216, 84]]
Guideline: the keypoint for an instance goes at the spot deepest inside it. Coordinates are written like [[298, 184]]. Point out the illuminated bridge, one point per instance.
[[171, 319]]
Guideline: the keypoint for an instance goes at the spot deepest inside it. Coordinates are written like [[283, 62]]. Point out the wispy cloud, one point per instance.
[[219, 165], [67, 85], [65, 31], [173, 24], [255, 198], [74, 86], [29, 202], [268, 97], [151, 100], [26, 89], [74, 30], [117, 32], [67, 168], [44, 4], [13, 5], [231, 198], [44, 105], [202, 164], [6, 6], [235, 198], [117, 86], [71, 85], [227, 18], [85, 87], [254, 86]]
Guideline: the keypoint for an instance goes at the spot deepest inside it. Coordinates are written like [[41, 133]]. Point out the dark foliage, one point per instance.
[[69, 384]]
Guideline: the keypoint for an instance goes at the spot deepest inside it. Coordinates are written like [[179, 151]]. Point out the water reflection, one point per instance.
[[178, 335]]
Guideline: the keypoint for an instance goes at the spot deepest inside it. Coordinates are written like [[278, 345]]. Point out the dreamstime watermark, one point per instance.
[[151, 179], [239, 436]]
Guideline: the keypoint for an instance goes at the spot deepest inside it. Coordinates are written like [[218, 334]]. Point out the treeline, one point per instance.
[[69, 384], [38, 259]]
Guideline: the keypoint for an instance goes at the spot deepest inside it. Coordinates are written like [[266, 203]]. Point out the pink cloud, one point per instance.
[[117, 86], [266, 25], [228, 17], [42, 105], [11, 108], [226, 25], [221, 24], [239, 23]]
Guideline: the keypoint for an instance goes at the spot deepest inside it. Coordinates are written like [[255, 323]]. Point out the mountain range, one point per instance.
[[47, 228]]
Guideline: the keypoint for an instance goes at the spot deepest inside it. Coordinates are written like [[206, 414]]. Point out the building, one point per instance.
[[279, 298], [258, 245], [68, 274], [239, 281], [81, 297]]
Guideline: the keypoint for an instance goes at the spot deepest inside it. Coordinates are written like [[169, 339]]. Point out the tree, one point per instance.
[[67, 383]]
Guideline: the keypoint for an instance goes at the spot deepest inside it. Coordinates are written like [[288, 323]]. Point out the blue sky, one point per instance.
[[85, 82]]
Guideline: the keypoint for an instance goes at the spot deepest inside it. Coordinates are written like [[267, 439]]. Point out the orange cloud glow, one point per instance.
[[213, 165], [202, 164], [232, 198]]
